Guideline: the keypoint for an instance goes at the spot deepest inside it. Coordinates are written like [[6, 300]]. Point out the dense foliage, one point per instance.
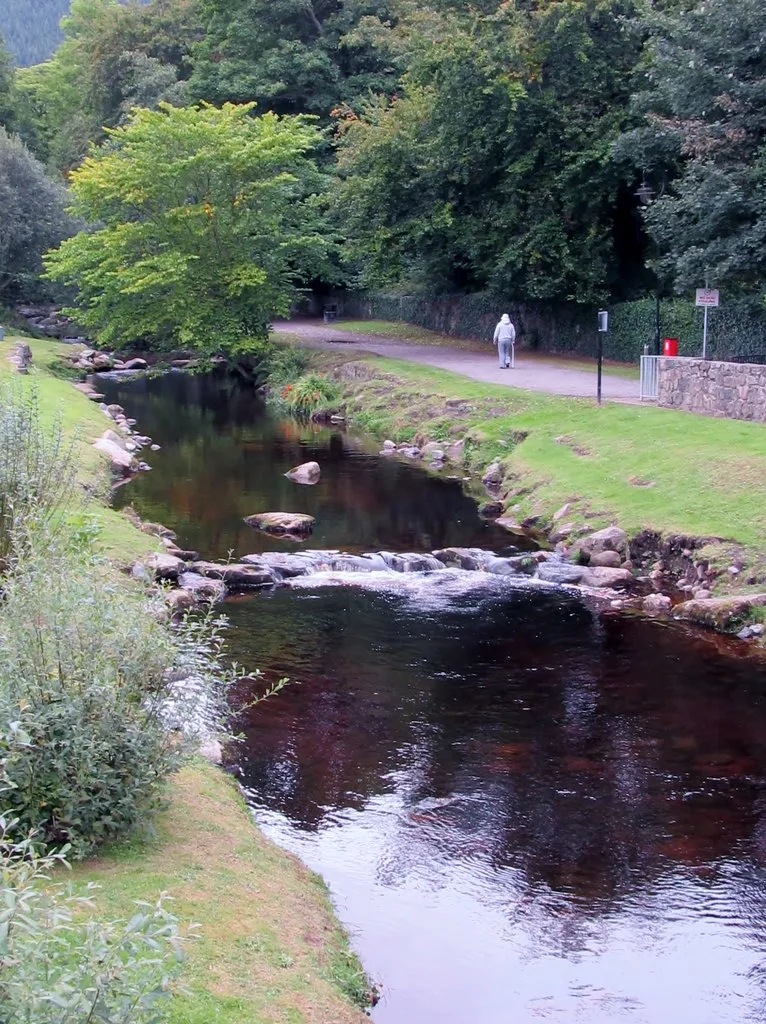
[[205, 223], [572, 151]]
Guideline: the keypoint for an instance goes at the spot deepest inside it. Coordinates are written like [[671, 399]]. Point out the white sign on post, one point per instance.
[[706, 297]]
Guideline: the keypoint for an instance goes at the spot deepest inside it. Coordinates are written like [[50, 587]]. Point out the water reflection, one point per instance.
[[224, 457], [561, 812]]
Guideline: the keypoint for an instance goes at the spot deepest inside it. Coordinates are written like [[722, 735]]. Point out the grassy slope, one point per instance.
[[81, 422], [422, 336], [268, 948], [642, 467]]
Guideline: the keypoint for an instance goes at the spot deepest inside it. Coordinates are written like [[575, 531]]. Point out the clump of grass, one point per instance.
[[309, 393]]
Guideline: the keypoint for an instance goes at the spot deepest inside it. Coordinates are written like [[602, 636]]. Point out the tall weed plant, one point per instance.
[[37, 469], [90, 673], [61, 965]]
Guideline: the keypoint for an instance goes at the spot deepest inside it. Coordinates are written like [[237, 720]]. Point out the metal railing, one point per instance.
[[650, 378]]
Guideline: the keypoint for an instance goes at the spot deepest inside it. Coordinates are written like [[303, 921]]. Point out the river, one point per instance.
[[525, 811]]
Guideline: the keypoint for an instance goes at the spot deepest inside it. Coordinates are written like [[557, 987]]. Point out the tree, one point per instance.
[[33, 217], [204, 222], [114, 56], [702, 144], [291, 56], [492, 168]]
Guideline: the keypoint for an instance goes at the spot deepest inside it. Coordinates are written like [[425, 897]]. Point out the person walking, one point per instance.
[[505, 338]]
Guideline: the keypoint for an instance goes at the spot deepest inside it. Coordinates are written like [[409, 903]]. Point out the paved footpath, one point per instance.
[[531, 372]]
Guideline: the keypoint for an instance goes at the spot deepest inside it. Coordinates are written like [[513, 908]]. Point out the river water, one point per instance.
[[525, 811]]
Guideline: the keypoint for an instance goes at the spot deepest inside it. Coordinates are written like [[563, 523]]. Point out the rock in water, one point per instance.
[[292, 523], [307, 473]]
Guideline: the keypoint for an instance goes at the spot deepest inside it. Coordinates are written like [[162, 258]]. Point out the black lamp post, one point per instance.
[[645, 194]]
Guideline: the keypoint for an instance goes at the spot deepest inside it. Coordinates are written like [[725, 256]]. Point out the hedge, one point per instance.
[[736, 330]]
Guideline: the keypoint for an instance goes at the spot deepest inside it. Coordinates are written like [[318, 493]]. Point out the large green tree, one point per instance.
[[204, 223], [703, 144], [493, 166], [293, 56]]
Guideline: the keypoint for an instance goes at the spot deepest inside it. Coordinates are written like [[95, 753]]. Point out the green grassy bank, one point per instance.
[[81, 423], [267, 948], [639, 467]]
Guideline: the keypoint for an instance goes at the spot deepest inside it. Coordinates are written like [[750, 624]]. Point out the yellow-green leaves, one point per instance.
[[204, 221]]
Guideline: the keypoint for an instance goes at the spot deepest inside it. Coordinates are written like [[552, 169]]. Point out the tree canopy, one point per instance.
[[204, 223], [473, 145], [33, 217]]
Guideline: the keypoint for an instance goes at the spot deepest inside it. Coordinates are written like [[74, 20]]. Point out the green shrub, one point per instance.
[[89, 677], [59, 966]]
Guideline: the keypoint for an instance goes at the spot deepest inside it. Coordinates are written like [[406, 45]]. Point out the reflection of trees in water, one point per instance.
[[525, 736], [223, 457]]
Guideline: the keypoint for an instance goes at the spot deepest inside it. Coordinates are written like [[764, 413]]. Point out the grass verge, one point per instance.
[[267, 947], [81, 422], [641, 467]]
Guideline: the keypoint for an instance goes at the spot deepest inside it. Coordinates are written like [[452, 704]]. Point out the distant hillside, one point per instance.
[[30, 28]]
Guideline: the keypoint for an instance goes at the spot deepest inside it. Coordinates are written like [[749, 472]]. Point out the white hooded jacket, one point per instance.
[[505, 331]]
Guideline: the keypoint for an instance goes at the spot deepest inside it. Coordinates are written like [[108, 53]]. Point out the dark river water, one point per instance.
[[525, 811]]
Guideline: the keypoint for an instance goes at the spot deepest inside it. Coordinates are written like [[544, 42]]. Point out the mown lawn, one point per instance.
[[641, 466], [81, 423], [267, 948]]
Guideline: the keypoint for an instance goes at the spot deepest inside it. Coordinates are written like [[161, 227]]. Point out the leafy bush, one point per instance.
[[90, 671], [285, 364], [310, 392], [57, 967], [36, 468]]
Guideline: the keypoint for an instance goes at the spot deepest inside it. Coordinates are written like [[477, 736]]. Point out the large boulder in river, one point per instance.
[[307, 473], [612, 538], [280, 523]]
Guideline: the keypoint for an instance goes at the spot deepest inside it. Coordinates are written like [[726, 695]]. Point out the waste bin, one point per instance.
[[2, 333], [670, 346]]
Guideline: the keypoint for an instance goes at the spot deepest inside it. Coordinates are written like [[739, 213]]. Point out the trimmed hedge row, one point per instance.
[[736, 330]]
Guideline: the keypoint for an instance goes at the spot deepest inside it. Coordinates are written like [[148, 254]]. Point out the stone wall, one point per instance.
[[735, 390]]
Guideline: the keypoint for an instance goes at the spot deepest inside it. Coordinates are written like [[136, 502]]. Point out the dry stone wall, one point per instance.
[[735, 390]]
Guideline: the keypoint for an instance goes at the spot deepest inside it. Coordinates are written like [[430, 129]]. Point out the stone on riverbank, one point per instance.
[[121, 459], [603, 577], [279, 523], [236, 575], [612, 538], [725, 613], [202, 588], [307, 473], [656, 604], [164, 566], [606, 560]]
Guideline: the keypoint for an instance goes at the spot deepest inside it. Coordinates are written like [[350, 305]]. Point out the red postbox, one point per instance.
[[670, 346]]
